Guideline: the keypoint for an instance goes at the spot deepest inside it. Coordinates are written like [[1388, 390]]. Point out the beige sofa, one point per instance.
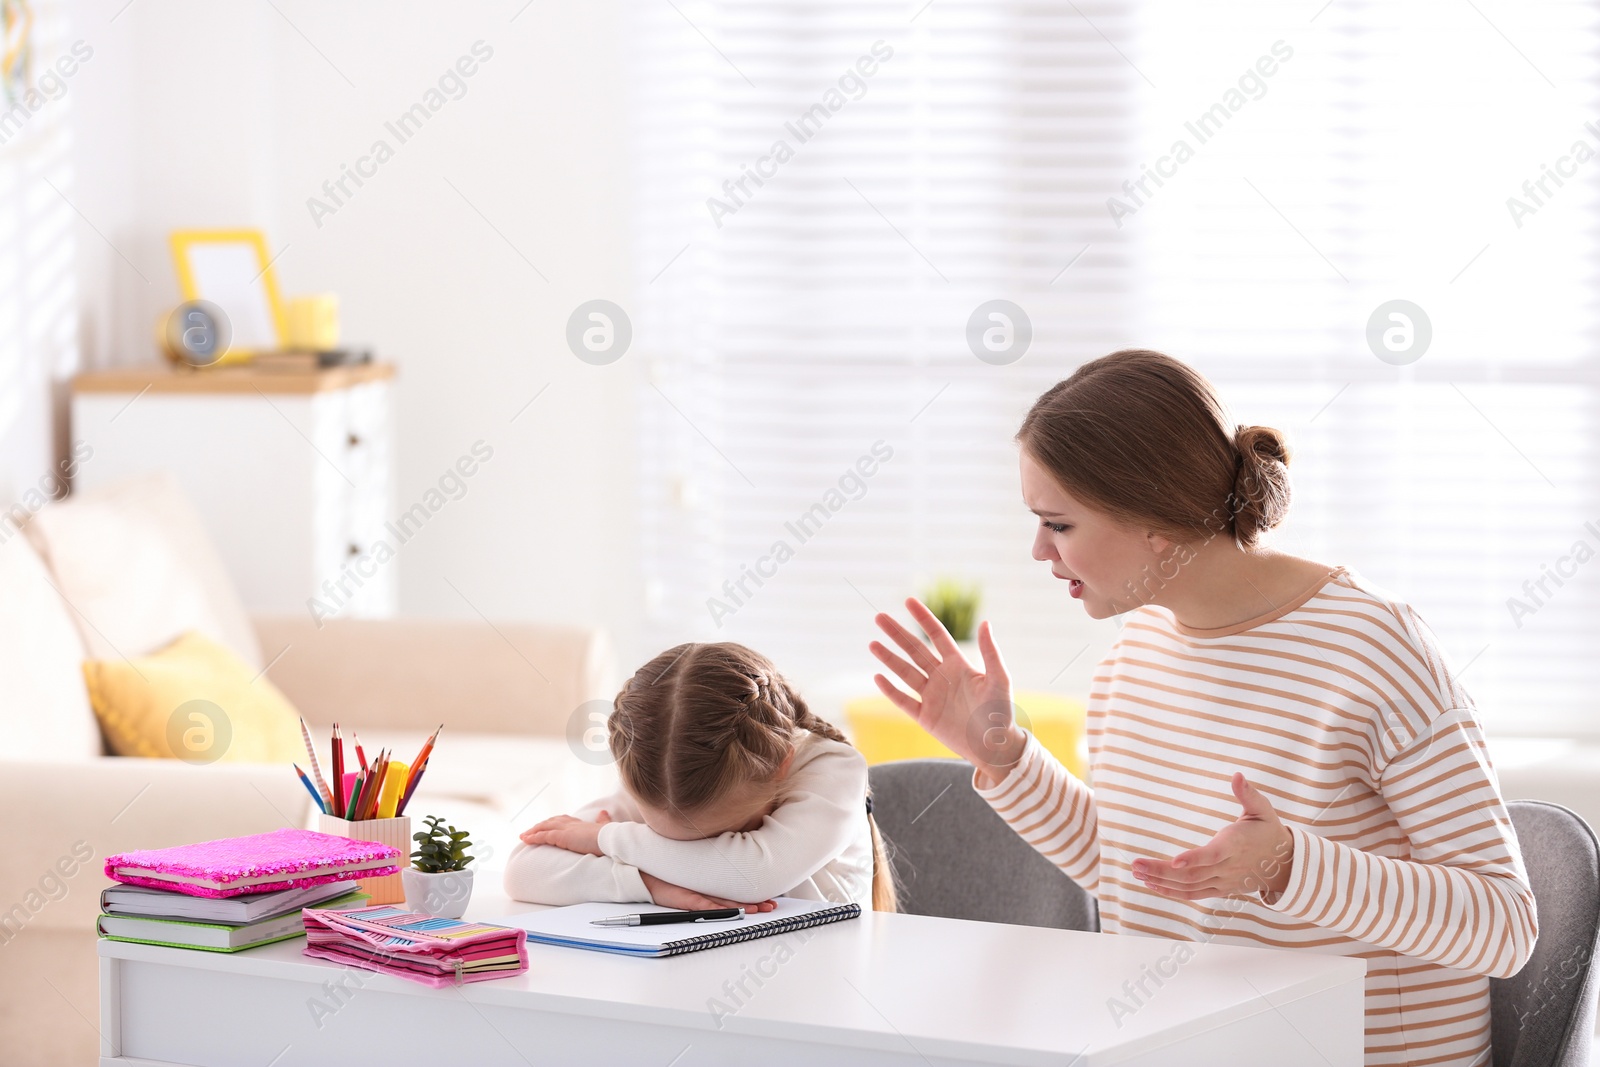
[[505, 692]]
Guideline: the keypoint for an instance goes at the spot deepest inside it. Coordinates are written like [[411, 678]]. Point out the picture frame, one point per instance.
[[233, 270]]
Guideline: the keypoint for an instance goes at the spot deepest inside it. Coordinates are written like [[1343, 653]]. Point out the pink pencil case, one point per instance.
[[258, 863], [422, 948]]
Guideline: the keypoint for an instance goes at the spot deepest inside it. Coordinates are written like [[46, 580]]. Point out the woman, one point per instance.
[[1280, 754]]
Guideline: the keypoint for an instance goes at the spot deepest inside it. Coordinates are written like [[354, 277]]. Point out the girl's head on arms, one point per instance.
[[1135, 467], [704, 735]]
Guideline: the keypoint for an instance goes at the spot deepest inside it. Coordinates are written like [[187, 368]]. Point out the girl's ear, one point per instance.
[[1158, 544], [783, 768]]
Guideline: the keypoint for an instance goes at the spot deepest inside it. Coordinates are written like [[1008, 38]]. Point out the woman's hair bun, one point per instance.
[[1264, 441], [1261, 485]]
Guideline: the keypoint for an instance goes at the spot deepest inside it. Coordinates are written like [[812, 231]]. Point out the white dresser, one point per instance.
[[292, 471]]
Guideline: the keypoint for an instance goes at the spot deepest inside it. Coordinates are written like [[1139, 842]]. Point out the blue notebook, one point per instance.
[[570, 927]]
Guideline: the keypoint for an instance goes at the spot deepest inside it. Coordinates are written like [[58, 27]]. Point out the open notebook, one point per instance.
[[570, 926]]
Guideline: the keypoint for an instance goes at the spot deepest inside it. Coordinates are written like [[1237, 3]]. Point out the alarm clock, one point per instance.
[[197, 334]]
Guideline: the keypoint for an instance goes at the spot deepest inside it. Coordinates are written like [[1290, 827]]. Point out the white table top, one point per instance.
[[1009, 994]]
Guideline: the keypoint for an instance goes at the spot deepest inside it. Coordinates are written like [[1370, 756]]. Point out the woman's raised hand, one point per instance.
[[968, 710]]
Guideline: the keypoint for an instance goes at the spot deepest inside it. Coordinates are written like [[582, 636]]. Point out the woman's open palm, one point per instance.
[[969, 710]]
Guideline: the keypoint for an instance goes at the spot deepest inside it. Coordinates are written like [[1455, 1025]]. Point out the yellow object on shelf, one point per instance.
[[312, 322], [883, 733]]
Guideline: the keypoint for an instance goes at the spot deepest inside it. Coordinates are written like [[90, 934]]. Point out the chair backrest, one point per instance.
[[1544, 1015], [954, 857]]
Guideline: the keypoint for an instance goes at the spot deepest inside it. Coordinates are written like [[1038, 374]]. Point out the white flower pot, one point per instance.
[[443, 895]]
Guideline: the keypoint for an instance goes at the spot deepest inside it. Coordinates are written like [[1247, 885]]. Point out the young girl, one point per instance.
[[733, 793], [1280, 754]]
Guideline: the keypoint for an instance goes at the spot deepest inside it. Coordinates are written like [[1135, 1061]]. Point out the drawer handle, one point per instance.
[[353, 440], [353, 550]]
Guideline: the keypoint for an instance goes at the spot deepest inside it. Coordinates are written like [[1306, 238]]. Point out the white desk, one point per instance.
[[882, 989]]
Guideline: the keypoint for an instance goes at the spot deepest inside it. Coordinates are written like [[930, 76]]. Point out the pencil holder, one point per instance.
[[395, 831]]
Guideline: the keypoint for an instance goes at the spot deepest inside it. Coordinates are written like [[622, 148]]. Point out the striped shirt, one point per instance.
[[1337, 706]]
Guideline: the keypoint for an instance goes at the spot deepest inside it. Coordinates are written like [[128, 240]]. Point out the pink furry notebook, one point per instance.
[[259, 863]]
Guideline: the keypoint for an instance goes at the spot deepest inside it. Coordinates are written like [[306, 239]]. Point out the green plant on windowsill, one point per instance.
[[955, 604], [441, 848]]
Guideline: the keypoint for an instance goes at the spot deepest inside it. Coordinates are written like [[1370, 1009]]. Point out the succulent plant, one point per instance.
[[440, 848]]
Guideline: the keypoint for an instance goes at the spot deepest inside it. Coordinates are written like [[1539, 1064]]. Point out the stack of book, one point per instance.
[[424, 948], [235, 893], [163, 917]]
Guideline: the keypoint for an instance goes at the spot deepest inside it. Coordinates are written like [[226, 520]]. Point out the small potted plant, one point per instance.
[[956, 606], [438, 881]]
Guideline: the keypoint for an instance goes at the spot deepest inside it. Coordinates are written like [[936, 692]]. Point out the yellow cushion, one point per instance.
[[882, 732], [193, 700]]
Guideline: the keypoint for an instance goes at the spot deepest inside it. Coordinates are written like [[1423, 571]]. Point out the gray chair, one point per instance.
[[1544, 1015], [954, 857]]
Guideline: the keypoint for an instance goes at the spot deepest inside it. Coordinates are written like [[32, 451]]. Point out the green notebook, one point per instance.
[[213, 937]]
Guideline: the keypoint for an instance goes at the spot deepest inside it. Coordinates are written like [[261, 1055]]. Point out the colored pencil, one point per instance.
[[405, 797], [422, 757], [355, 796], [411, 787], [360, 752], [365, 783], [379, 769], [338, 771], [316, 771], [370, 788], [310, 788]]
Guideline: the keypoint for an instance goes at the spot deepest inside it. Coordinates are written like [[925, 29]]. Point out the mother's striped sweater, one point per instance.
[[1340, 708]]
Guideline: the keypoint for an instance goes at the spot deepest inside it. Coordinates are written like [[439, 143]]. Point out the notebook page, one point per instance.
[[572, 922]]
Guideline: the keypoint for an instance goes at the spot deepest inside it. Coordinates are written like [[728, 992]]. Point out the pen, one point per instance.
[[656, 918]]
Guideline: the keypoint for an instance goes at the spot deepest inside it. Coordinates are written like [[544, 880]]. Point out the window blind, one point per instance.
[[829, 311], [1386, 159], [790, 324]]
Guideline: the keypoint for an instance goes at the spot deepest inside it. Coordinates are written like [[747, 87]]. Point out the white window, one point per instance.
[[792, 322]]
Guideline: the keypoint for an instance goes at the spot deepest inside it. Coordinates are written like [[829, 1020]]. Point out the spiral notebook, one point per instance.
[[570, 927]]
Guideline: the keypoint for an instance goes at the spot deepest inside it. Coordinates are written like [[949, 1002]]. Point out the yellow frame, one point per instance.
[[182, 240]]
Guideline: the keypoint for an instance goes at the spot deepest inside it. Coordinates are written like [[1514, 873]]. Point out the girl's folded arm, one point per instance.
[[1051, 810], [545, 874], [815, 823], [1463, 900]]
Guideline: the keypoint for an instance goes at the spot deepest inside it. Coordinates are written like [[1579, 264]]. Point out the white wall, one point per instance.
[[204, 114]]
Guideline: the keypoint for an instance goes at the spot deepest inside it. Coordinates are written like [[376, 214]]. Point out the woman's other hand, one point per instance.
[[1253, 854]]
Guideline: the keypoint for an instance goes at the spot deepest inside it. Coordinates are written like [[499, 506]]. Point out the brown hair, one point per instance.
[[700, 720], [1145, 438]]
